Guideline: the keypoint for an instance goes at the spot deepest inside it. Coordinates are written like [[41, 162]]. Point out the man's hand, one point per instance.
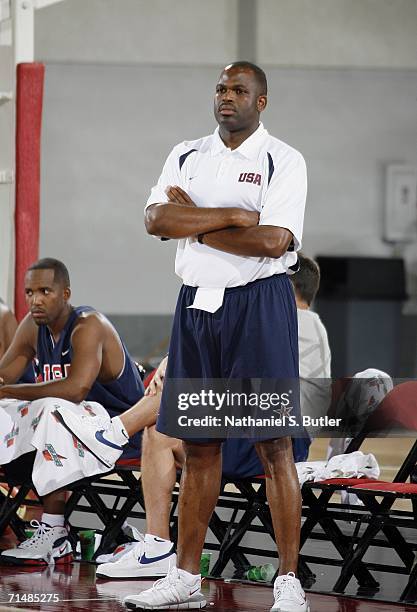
[[249, 218], [179, 196], [157, 382]]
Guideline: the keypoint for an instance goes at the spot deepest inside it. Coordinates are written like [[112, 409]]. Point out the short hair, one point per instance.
[[258, 73], [307, 280], [61, 274]]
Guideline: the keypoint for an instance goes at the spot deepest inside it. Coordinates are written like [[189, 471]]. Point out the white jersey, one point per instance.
[[313, 345], [263, 174], [314, 363]]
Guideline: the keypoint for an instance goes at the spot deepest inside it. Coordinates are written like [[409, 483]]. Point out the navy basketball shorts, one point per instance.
[[253, 335]]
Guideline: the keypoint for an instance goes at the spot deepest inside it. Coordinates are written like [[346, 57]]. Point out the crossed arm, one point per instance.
[[232, 230], [87, 346]]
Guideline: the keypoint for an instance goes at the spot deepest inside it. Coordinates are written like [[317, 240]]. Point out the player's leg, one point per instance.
[[161, 456], [200, 487], [284, 499], [152, 557], [200, 484], [190, 356], [267, 349]]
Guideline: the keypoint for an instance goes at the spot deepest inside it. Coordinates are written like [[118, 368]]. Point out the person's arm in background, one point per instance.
[[20, 352], [8, 327], [87, 346]]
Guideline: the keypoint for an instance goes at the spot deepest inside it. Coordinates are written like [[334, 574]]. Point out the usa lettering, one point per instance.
[[55, 372], [250, 177]]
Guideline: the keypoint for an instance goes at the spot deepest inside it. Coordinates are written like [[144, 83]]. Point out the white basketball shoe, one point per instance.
[[289, 595], [170, 593], [148, 559], [47, 546], [95, 433]]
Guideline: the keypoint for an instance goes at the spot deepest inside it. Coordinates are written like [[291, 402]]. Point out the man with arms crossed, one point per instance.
[[235, 200], [81, 357]]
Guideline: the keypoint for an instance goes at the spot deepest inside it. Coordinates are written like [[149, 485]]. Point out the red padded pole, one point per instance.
[[29, 97]]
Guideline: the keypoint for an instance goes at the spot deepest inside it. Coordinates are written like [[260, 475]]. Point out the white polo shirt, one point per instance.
[[263, 174]]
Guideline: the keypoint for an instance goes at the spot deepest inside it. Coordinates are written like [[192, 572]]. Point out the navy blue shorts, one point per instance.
[[253, 335]]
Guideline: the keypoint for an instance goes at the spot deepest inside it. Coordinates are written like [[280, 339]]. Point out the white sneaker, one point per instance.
[[289, 595], [117, 554], [47, 546], [149, 558], [129, 531], [169, 593], [95, 433]]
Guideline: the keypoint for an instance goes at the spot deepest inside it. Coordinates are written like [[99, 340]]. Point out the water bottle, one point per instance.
[[260, 573]]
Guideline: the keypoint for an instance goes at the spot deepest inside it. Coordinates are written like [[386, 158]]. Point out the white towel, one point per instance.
[[350, 465]]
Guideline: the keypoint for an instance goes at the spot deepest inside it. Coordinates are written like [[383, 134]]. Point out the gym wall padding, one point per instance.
[[29, 99]]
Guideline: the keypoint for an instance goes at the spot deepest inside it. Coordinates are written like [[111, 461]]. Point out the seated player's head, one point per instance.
[[306, 281], [47, 290]]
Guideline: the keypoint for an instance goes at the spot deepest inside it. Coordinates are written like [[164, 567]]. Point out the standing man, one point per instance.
[[85, 367], [235, 200]]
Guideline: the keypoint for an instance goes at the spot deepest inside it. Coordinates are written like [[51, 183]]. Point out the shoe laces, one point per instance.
[[169, 580], [41, 530], [286, 585]]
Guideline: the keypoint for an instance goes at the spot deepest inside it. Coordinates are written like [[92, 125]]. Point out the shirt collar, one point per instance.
[[249, 147]]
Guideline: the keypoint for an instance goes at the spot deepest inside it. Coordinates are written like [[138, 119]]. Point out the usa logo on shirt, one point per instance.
[[250, 177]]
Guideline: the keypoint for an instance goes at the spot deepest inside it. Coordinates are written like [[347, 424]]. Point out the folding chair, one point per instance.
[[398, 409], [10, 504], [20, 491], [250, 513], [126, 492], [319, 511]]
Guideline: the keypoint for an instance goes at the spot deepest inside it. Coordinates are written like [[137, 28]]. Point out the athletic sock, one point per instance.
[[157, 539], [53, 520], [187, 577], [119, 431]]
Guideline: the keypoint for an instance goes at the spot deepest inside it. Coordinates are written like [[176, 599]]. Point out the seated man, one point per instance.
[[85, 366], [313, 344]]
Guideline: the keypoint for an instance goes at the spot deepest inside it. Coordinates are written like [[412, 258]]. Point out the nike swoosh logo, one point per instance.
[[61, 550], [191, 178], [195, 591], [145, 560], [158, 540], [99, 436], [65, 352]]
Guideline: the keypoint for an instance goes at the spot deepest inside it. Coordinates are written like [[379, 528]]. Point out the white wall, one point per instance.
[[352, 33], [137, 31]]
